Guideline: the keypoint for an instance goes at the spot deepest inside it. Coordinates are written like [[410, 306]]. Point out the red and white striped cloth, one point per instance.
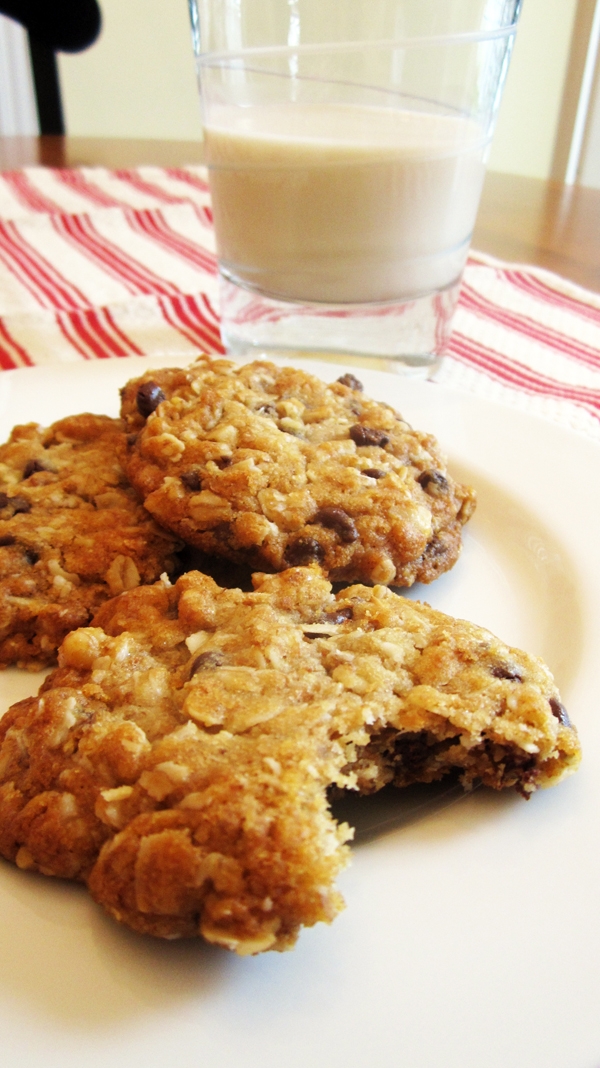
[[98, 263]]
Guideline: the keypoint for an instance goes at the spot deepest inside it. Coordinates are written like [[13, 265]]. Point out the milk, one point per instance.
[[342, 203]]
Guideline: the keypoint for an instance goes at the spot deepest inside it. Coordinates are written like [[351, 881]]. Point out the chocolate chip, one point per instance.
[[214, 658], [351, 381], [19, 504], [509, 766], [31, 468], [413, 750], [374, 472], [192, 481], [7, 539], [3, 500], [337, 519], [31, 556], [560, 712], [304, 551], [325, 626], [149, 396], [223, 461], [434, 483], [435, 548], [505, 671], [368, 435], [339, 615]]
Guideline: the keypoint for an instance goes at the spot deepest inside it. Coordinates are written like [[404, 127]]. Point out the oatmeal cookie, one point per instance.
[[178, 760], [72, 534], [269, 466]]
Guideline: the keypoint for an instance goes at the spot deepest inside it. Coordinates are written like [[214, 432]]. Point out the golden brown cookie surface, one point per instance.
[[72, 533], [178, 760], [269, 466]]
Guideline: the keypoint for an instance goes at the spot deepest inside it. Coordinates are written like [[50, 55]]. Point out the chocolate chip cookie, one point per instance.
[[179, 758], [72, 534], [269, 466]]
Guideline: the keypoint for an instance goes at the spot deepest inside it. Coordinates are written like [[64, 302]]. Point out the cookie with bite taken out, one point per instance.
[[179, 759]]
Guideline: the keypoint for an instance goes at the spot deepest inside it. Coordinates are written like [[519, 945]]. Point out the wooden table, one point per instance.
[[520, 219]]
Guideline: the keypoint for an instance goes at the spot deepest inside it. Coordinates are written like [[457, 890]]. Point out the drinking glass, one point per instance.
[[346, 143]]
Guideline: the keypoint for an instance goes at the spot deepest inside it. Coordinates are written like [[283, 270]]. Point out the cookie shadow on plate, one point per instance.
[[391, 809]]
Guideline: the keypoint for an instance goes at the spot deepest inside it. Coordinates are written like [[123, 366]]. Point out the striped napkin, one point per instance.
[[98, 263]]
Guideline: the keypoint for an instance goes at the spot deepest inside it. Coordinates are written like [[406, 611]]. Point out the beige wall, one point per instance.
[[138, 80], [526, 131]]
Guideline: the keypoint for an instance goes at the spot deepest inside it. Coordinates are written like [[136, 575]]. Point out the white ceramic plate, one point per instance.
[[471, 936]]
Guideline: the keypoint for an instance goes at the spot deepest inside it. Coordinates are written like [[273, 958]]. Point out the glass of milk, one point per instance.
[[346, 143]]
